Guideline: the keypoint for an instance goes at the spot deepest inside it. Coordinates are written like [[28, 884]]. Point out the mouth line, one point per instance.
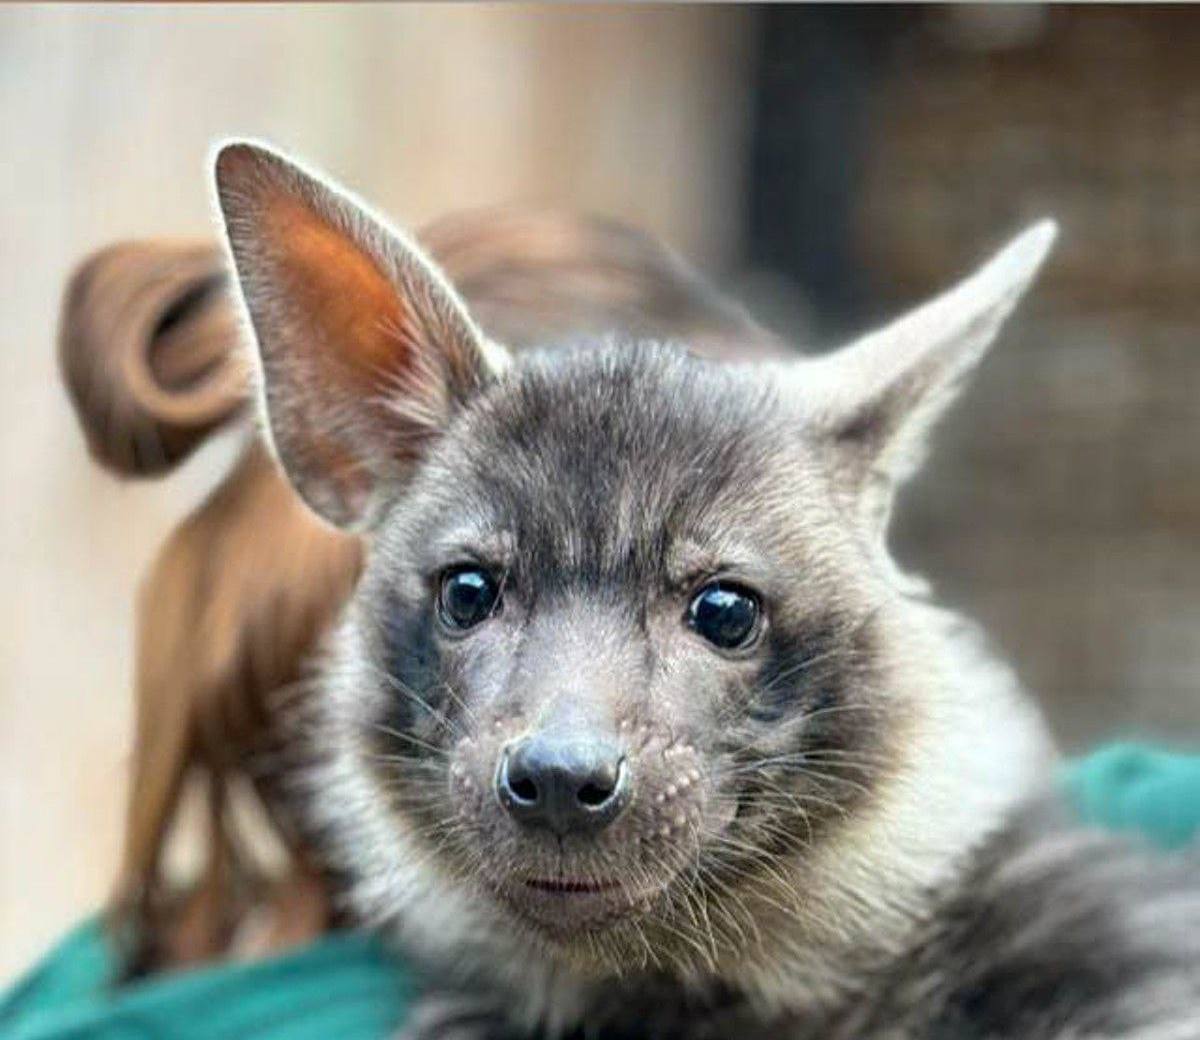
[[570, 886], [560, 908]]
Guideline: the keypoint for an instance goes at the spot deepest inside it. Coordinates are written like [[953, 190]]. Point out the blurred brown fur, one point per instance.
[[242, 592]]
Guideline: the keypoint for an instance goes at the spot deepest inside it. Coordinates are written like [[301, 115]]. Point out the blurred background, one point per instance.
[[827, 165]]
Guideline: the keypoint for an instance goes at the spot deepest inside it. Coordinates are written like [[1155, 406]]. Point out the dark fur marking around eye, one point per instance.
[[801, 673], [412, 663], [817, 696]]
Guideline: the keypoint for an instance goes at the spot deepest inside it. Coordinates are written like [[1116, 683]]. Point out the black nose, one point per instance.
[[567, 784]]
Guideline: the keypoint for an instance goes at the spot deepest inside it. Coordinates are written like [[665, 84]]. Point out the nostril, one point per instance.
[[516, 784], [523, 789], [600, 789], [593, 795]]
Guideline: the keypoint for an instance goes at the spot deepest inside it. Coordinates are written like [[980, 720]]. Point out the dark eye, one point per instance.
[[468, 596], [724, 615]]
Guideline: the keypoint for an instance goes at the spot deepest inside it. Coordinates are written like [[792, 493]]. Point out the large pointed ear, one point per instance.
[[873, 402], [366, 351]]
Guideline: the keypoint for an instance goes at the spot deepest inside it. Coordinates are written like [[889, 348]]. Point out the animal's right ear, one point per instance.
[[366, 350]]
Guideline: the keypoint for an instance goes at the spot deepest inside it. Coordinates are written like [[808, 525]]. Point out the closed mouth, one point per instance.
[[560, 906], [570, 886]]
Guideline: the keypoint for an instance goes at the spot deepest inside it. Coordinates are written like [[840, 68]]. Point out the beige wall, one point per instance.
[[106, 116]]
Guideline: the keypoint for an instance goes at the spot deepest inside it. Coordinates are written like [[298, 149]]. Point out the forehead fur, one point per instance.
[[594, 461]]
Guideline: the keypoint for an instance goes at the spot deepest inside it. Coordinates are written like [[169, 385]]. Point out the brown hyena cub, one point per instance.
[[632, 727]]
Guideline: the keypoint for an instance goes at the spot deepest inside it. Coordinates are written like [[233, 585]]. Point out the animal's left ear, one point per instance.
[[872, 403]]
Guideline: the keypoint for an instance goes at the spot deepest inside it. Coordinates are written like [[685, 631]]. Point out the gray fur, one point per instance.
[[826, 836]]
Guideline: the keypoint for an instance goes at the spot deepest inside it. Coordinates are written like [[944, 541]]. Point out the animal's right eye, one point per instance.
[[468, 596]]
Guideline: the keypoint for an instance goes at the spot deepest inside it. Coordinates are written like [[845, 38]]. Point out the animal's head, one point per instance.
[[628, 678]]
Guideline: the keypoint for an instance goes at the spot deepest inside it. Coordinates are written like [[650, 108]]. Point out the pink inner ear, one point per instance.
[[350, 337], [364, 349], [356, 325]]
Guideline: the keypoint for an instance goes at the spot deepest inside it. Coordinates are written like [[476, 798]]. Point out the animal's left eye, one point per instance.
[[725, 615]]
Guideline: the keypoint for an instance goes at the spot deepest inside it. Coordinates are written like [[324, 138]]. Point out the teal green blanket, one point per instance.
[[345, 986], [1135, 788], [348, 987]]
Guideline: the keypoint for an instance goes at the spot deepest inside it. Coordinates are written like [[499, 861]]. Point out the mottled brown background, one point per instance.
[[1062, 505]]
